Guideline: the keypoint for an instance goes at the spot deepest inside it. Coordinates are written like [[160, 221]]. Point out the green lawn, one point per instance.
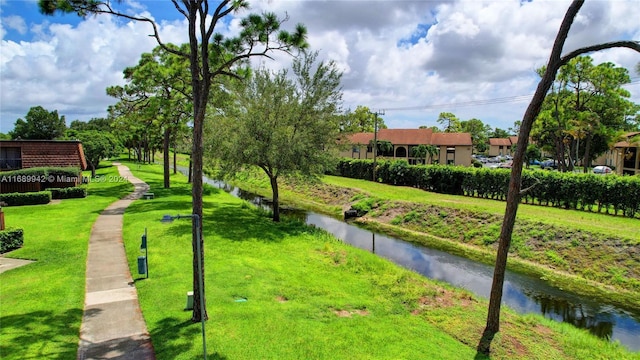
[[599, 223], [41, 304], [309, 296]]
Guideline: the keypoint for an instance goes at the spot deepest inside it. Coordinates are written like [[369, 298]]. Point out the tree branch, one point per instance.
[[634, 45]]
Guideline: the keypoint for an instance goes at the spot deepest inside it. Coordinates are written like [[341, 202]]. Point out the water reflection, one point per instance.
[[522, 293]]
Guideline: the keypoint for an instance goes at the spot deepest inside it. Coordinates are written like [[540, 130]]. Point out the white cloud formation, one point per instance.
[[395, 55]]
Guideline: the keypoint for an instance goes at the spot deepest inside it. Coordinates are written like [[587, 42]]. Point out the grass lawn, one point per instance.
[[41, 304], [575, 250], [600, 223], [309, 296]]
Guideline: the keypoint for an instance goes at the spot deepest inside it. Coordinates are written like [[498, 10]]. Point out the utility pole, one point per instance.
[[375, 140]]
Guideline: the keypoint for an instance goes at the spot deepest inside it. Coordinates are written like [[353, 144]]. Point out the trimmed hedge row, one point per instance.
[[31, 198], [549, 188], [11, 239], [68, 193]]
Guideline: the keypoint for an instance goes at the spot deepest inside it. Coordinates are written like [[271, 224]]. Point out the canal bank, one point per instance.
[[524, 293]]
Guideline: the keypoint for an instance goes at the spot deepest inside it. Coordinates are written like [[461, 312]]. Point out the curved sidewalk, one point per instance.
[[112, 323]]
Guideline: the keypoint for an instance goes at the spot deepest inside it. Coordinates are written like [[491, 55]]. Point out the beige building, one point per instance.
[[452, 148], [501, 146], [628, 154]]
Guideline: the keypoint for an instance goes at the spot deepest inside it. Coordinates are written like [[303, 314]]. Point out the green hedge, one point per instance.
[[68, 193], [31, 198], [11, 239], [620, 194]]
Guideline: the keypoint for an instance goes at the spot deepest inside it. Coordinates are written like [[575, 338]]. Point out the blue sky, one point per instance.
[[413, 59]]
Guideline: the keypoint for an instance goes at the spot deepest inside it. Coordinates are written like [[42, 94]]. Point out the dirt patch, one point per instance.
[[281, 299], [350, 313]]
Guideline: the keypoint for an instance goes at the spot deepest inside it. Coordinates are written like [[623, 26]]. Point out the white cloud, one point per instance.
[[394, 54]]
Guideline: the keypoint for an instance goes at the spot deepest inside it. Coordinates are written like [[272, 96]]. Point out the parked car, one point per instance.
[[534, 162], [549, 164], [602, 170], [506, 165]]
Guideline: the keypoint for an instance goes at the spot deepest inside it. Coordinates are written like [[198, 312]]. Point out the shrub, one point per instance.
[[68, 193], [32, 198], [11, 239], [550, 188]]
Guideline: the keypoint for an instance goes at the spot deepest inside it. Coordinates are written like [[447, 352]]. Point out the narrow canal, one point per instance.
[[524, 294]]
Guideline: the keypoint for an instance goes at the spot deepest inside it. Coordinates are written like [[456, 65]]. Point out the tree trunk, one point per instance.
[[190, 175], [587, 154], [200, 84], [175, 166], [276, 198], [513, 196], [93, 170], [165, 153]]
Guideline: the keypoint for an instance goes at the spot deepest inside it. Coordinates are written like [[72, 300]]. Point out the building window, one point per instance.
[[10, 158], [451, 156], [401, 152]]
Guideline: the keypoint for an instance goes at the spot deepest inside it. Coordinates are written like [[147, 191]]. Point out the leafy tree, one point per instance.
[[499, 133], [384, 148], [450, 123], [100, 124], [4, 136], [556, 60], [587, 104], [479, 133], [533, 153], [97, 145], [39, 124], [282, 126], [210, 56], [421, 151], [361, 120], [157, 91]]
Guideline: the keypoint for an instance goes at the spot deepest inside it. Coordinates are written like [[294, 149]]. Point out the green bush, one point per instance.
[[68, 193], [11, 239], [31, 198], [549, 188]]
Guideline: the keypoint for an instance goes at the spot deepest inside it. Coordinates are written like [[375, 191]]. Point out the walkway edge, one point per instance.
[[112, 323]]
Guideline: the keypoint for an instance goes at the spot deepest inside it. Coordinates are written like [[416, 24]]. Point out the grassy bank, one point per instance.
[[287, 291], [41, 303], [574, 250]]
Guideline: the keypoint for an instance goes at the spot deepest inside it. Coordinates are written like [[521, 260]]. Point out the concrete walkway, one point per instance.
[[112, 323]]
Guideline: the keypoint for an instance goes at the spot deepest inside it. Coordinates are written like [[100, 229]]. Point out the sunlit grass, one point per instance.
[[41, 305], [309, 296]]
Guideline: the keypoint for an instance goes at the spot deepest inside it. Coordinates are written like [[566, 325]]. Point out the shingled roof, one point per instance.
[[54, 153]]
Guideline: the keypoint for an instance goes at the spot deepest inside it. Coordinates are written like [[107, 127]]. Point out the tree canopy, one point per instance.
[[361, 120], [39, 124], [585, 111], [210, 55], [281, 125]]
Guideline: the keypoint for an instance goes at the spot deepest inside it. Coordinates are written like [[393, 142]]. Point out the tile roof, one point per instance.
[[499, 142], [513, 139], [361, 138], [627, 143], [451, 139], [413, 137], [406, 136]]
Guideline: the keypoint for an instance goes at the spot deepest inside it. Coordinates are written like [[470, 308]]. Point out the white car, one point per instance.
[[602, 170]]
